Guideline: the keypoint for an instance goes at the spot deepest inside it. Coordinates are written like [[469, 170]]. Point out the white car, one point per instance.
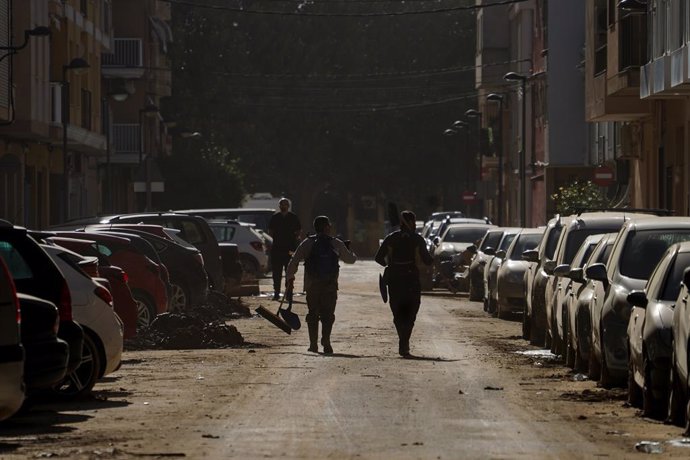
[[12, 355], [92, 307], [251, 244]]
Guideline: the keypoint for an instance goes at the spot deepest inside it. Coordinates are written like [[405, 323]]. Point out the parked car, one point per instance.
[[11, 349], [147, 277], [253, 253], [93, 309], [118, 282], [574, 234], [638, 248], [455, 239], [679, 383], [582, 294], [257, 216], [571, 284], [47, 356], [193, 229], [476, 271], [491, 269], [510, 278], [650, 333], [534, 322], [185, 266], [35, 273], [448, 221]]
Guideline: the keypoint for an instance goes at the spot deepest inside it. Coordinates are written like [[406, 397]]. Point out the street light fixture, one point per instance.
[[76, 65], [499, 98], [513, 76], [40, 31]]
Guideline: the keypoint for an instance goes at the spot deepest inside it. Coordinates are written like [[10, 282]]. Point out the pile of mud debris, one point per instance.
[[202, 326]]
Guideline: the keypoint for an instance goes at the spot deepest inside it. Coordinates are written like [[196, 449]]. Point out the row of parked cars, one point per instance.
[[70, 295], [606, 291]]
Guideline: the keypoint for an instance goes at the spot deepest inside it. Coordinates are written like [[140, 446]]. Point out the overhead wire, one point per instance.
[[303, 13]]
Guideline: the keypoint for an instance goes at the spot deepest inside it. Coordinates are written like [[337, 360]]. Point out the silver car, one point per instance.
[[680, 369], [510, 279], [649, 333], [638, 248], [490, 240], [491, 268]]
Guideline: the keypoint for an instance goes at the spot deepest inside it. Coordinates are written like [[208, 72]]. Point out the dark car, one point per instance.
[[490, 240], [46, 355], [185, 265], [258, 216], [193, 229], [35, 273], [12, 388]]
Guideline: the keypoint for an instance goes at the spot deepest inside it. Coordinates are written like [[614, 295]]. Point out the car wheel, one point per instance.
[[676, 398], [178, 298], [525, 323], [145, 310], [250, 267], [634, 391], [82, 380]]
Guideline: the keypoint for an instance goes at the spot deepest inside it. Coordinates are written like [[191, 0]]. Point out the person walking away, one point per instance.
[[400, 253], [285, 229], [321, 254]]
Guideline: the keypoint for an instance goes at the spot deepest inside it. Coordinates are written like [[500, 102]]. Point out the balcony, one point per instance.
[[126, 142], [630, 36], [126, 60], [666, 77]]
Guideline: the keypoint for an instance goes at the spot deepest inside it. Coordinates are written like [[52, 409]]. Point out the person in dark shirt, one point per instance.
[[285, 229], [400, 252]]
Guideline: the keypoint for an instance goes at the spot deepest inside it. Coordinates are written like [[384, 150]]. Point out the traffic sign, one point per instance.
[[469, 197], [603, 176]]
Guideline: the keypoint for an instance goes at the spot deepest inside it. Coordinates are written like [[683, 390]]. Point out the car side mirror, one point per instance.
[[531, 256], [638, 299], [686, 277], [490, 251], [501, 254], [471, 248], [562, 270], [437, 240], [577, 275], [549, 267], [597, 272]]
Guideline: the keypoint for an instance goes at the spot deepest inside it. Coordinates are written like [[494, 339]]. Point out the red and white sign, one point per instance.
[[469, 197], [603, 176]]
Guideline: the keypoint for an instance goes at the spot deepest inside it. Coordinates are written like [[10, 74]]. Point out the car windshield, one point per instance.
[[463, 235], [491, 240], [15, 262], [643, 250], [524, 243], [552, 241], [224, 233], [605, 254], [672, 285], [575, 240], [172, 233]]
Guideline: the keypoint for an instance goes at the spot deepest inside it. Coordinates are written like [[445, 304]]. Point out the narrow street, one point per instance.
[[466, 395]]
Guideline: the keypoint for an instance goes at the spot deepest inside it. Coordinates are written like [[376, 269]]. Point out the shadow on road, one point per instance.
[[428, 358]]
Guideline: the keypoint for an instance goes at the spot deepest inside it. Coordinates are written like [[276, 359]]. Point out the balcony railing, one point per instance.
[[632, 42], [126, 137], [126, 53]]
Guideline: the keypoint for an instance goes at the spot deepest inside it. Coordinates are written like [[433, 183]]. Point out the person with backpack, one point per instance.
[[321, 254], [400, 252]]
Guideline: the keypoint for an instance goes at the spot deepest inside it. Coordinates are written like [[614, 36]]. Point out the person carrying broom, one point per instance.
[[321, 254]]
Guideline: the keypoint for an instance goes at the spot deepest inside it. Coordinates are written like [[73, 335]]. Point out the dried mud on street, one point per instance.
[[471, 392]]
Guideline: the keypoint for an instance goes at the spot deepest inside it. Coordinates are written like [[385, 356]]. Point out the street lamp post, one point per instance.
[[454, 130], [499, 98], [149, 109], [471, 113], [512, 76], [75, 65]]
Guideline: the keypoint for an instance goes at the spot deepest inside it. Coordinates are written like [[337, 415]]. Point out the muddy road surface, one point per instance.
[[467, 394]]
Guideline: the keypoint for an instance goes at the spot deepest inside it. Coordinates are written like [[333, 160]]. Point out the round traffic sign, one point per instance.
[[603, 176], [469, 197]]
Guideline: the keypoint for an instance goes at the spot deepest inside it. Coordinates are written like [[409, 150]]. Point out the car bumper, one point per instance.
[[11, 382], [46, 363]]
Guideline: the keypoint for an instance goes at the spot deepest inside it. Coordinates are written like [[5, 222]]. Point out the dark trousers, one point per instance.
[[321, 299], [279, 262], [405, 296]]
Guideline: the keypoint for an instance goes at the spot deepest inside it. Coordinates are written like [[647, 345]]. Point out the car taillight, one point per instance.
[[104, 295], [125, 277], [257, 245], [65, 305]]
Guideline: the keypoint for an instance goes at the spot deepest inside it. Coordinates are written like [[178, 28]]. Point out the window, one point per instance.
[[17, 265], [600, 38], [644, 249], [671, 287]]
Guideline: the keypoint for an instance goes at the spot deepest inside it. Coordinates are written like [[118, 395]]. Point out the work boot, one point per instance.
[[313, 337], [404, 343], [326, 338], [276, 295]]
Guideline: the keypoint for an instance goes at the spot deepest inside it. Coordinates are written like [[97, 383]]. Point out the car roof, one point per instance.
[[532, 231], [659, 223], [605, 217], [469, 225], [201, 210]]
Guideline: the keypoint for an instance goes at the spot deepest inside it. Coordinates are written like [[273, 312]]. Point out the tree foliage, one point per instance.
[[577, 196]]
